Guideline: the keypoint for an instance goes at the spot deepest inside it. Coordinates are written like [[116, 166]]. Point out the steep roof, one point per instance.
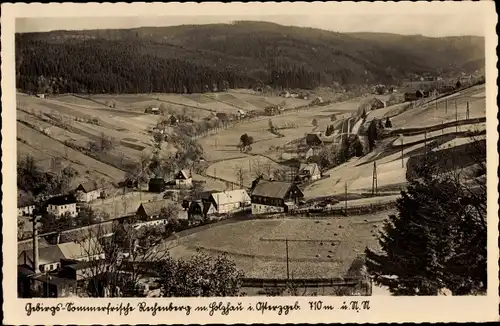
[[154, 207], [311, 168], [28, 245], [231, 197], [88, 186], [222, 116], [272, 189], [47, 255], [74, 250], [62, 200], [186, 173], [25, 200]]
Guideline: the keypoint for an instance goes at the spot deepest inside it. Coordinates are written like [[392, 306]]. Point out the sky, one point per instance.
[[432, 24]]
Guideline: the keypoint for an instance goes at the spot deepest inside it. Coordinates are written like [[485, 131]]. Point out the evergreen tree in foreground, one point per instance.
[[437, 240]]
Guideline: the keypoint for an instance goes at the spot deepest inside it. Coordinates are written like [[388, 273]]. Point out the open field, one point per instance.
[[258, 246], [52, 148], [122, 205], [250, 167]]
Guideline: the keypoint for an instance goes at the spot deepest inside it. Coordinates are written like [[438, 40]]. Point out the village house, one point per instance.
[[25, 205], [41, 95], [88, 191], [184, 178], [156, 185], [241, 114], [62, 205], [150, 213], [49, 258], [223, 117], [152, 110], [201, 210], [315, 139], [308, 172], [275, 197], [46, 276], [151, 210], [376, 103], [229, 201]]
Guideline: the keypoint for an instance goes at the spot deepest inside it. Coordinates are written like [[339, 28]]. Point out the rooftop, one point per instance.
[[62, 200], [272, 189]]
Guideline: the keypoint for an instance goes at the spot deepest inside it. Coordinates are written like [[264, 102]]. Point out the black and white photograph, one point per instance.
[[245, 154]]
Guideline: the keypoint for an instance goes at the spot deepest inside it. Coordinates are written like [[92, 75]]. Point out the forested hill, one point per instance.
[[198, 58]]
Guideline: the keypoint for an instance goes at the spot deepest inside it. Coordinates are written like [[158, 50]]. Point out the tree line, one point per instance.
[[98, 66]]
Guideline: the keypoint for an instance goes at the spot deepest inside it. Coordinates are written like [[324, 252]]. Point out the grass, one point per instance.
[[256, 249], [249, 165]]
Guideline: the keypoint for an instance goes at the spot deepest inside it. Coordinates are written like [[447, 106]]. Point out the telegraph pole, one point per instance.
[[467, 112], [402, 159], [345, 198], [456, 116], [446, 106], [287, 265], [425, 141], [374, 181]]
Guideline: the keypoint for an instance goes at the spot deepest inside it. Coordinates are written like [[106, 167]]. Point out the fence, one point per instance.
[[342, 285], [336, 211]]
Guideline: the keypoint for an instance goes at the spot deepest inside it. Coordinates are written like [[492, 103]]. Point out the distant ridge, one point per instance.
[[199, 58]]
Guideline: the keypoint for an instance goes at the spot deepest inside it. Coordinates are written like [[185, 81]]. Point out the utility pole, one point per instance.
[[287, 264], [467, 113], [425, 141], [345, 198], [402, 159], [374, 181], [456, 116], [446, 106]]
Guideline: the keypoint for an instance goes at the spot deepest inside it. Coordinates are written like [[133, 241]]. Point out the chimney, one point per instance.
[[36, 257]]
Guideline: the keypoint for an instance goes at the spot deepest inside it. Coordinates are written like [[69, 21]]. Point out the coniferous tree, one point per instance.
[[437, 240]]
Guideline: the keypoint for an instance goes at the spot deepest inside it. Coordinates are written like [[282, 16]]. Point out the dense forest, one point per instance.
[[200, 58]]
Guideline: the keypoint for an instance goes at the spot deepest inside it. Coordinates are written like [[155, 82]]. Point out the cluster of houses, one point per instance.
[[66, 204]]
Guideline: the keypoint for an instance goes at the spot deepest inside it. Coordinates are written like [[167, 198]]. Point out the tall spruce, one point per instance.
[[437, 239]]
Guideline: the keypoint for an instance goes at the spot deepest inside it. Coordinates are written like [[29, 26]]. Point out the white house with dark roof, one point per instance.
[[309, 172], [274, 197], [62, 205], [88, 191], [229, 201], [184, 178], [25, 205]]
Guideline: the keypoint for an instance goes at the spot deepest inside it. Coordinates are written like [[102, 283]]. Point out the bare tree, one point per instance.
[[117, 259], [240, 175]]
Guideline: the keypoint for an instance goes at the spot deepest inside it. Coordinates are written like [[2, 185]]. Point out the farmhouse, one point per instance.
[[62, 205], [49, 258], [25, 205], [152, 110], [241, 114], [376, 103], [184, 178], [308, 172], [317, 100], [223, 117], [315, 139], [199, 209], [41, 95], [156, 185], [151, 210], [88, 191], [228, 201], [274, 197]]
